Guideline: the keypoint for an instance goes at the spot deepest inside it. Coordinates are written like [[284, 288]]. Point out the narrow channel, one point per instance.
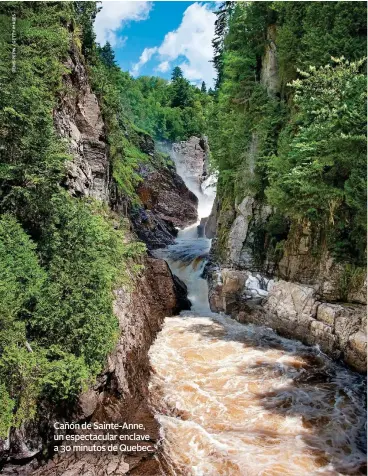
[[235, 399]]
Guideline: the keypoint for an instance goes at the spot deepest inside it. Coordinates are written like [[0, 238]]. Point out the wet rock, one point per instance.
[[231, 290], [211, 223], [152, 229], [233, 281], [181, 292], [356, 351], [191, 158], [166, 204], [294, 311], [201, 227]]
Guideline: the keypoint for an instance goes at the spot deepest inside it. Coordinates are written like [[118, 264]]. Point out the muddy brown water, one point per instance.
[[239, 400]]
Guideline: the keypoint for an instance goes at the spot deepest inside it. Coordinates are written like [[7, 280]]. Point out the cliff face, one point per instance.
[[165, 205], [248, 244], [120, 391], [78, 119]]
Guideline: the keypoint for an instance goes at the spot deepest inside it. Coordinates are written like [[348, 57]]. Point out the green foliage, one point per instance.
[[319, 176], [107, 55], [301, 25], [244, 120], [85, 14], [60, 258], [170, 111], [301, 149], [350, 280], [21, 280], [61, 310], [177, 74], [6, 411]]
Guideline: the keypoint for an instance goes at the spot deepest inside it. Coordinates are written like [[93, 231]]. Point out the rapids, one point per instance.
[[236, 399]]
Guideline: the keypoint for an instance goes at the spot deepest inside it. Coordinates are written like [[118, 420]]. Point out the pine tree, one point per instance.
[[107, 55], [203, 87], [177, 73], [181, 89], [221, 28]]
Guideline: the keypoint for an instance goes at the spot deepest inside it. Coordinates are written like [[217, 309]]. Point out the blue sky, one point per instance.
[[151, 38]]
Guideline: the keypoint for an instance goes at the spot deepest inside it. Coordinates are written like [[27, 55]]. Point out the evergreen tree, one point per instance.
[[180, 89], [203, 87], [221, 23], [300, 150], [85, 15], [176, 73], [107, 55]]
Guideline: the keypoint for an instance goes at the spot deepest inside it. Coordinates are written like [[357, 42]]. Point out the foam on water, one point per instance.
[[238, 400]]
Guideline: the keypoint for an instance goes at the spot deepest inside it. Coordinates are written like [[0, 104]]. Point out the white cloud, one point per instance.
[[114, 15], [163, 67], [143, 59], [193, 41]]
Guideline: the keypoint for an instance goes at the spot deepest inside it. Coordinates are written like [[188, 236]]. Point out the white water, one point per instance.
[[237, 399]]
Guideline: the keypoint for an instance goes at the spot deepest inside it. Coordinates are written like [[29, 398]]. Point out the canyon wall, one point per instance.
[[294, 310], [120, 391], [280, 272]]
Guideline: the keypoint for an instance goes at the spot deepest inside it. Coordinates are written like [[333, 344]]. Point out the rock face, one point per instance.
[[293, 310], [315, 299], [78, 119], [211, 222], [269, 72], [191, 158], [333, 280], [167, 204], [120, 392]]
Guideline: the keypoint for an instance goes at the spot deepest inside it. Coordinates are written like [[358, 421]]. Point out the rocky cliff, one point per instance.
[[78, 119], [251, 239], [119, 393], [166, 204]]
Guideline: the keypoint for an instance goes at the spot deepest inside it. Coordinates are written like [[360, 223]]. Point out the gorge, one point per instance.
[[239, 399], [186, 263]]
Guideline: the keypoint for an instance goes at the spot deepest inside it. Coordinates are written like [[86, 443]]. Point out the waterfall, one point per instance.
[[239, 400]]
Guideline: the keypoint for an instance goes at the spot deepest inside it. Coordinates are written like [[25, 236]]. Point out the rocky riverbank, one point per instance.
[[294, 310]]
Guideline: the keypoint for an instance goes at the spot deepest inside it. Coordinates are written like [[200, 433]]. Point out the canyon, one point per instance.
[[238, 351], [170, 197]]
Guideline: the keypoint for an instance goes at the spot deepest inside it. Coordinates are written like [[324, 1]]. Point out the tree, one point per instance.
[[319, 176], [176, 73], [107, 55], [180, 89], [86, 14], [221, 24], [203, 87]]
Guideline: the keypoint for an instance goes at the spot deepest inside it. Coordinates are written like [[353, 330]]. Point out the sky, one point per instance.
[[151, 38]]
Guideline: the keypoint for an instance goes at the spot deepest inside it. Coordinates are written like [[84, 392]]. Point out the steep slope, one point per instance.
[[285, 206], [89, 300]]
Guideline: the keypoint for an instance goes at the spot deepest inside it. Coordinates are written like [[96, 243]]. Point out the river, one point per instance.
[[239, 400]]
